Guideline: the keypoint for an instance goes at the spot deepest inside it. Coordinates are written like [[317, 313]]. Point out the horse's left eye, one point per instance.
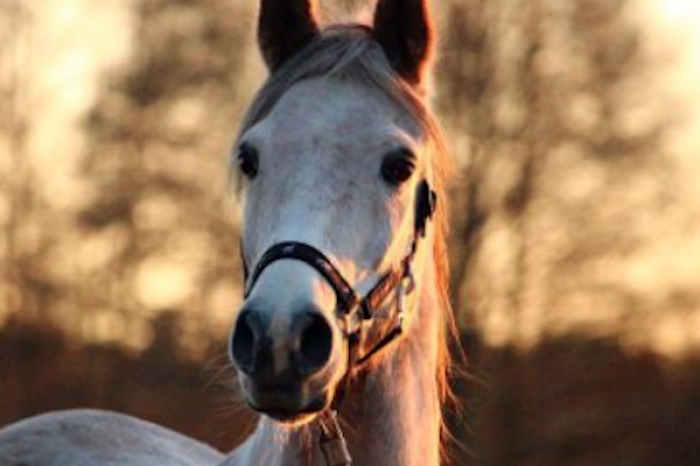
[[398, 167], [248, 160]]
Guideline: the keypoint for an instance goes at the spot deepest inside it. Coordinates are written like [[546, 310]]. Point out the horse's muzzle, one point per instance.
[[283, 366]]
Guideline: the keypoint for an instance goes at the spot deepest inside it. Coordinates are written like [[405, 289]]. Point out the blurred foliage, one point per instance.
[[564, 201], [152, 230], [556, 142], [564, 149], [156, 162]]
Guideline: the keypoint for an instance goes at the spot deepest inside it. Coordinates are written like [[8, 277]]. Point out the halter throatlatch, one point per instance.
[[355, 313]]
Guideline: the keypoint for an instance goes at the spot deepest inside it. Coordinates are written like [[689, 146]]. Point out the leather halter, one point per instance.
[[355, 311]]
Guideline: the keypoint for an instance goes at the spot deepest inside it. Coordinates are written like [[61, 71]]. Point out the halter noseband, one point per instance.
[[354, 311]]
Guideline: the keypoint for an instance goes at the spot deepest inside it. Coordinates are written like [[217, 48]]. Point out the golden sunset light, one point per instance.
[[574, 245]]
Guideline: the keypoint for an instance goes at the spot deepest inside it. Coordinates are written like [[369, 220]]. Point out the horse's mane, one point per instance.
[[349, 51]]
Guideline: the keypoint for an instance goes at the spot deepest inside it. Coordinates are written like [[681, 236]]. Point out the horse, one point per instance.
[[341, 343]]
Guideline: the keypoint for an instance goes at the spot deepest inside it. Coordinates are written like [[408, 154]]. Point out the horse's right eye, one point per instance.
[[248, 160]]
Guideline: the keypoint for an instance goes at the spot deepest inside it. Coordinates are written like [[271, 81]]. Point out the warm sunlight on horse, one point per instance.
[[341, 342]]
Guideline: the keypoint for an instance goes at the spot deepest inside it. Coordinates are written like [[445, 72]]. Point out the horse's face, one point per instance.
[[337, 166], [334, 165]]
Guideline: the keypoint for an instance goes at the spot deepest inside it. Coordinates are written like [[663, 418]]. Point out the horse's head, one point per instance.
[[334, 156]]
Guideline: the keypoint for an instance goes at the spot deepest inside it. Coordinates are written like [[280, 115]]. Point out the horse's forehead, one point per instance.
[[334, 111]]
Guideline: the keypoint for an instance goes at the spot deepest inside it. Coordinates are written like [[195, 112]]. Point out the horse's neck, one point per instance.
[[394, 418], [391, 417]]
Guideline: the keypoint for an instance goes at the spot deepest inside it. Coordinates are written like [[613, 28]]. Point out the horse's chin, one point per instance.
[[292, 420], [291, 411]]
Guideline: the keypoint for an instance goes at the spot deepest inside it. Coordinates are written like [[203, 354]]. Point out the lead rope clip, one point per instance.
[[405, 288], [333, 443]]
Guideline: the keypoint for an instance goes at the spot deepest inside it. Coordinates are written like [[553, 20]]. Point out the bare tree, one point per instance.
[[534, 86], [542, 103], [27, 286], [159, 139]]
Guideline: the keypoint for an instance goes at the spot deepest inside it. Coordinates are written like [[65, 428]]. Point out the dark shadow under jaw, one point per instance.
[[292, 416]]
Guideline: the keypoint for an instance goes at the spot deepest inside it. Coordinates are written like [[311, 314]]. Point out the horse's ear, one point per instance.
[[285, 27], [404, 29]]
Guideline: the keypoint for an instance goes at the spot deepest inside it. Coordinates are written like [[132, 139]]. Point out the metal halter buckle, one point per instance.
[[333, 443], [351, 322], [404, 289]]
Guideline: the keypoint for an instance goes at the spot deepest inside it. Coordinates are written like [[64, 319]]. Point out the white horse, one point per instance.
[[341, 341]]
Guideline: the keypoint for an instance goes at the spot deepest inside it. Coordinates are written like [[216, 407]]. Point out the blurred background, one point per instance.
[[576, 213]]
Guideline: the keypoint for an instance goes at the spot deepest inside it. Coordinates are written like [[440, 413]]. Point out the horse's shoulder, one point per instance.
[[91, 438]]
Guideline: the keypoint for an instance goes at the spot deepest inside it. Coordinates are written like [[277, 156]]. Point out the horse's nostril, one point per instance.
[[307, 344], [244, 344], [315, 345]]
